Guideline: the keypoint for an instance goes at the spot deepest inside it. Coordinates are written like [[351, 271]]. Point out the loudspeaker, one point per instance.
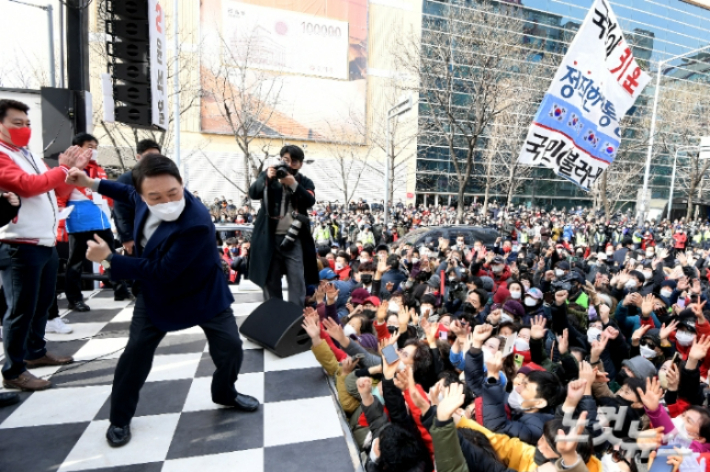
[[276, 326]]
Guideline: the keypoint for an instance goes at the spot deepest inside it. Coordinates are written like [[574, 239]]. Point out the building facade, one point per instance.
[[656, 29]]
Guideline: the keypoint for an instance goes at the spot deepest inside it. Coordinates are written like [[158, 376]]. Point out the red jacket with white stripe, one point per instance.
[[29, 177]]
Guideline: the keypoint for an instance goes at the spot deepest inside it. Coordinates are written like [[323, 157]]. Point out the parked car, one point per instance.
[[230, 230], [424, 236]]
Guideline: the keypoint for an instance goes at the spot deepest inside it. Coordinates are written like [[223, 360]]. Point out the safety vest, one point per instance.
[[706, 235], [636, 239], [322, 235], [698, 238], [523, 237], [581, 239], [366, 238]]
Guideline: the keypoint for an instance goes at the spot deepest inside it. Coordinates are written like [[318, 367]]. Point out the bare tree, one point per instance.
[[618, 183], [351, 157], [244, 96], [682, 119], [465, 63]]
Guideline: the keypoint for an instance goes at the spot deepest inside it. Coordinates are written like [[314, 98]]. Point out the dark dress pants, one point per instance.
[[135, 363], [29, 281], [75, 263], [289, 262]]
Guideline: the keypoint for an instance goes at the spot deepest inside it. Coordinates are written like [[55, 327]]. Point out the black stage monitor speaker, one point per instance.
[[276, 326]]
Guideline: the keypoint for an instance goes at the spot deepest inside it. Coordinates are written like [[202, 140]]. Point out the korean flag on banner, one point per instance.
[[576, 129]]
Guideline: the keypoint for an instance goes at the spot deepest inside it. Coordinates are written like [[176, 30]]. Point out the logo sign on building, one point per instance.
[[576, 130], [158, 64]]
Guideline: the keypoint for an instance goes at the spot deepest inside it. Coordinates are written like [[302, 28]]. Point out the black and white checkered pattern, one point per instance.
[[177, 427]]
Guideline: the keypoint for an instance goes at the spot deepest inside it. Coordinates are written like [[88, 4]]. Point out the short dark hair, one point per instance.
[[366, 267], [145, 145], [295, 152], [82, 138], [6, 104], [549, 387], [154, 165], [585, 449]]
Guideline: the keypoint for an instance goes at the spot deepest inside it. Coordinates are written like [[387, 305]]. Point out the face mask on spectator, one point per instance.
[[610, 252], [649, 254], [522, 345], [348, 330], [608, 464], [530, 301], [366, 279], [684, 338], [505, 317], [169, 211], [497, 269], [514, 400], [339, 266], [559, 272], [415, 260], [593, 334], [648, 274], [666, 292], [515, 294], [394, 307], [630, 284], [647, 352]]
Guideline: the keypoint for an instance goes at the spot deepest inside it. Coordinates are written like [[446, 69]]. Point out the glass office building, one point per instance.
[[656, 30]]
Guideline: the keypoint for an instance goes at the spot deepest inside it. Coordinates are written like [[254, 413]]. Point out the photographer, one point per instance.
[[281, 241]]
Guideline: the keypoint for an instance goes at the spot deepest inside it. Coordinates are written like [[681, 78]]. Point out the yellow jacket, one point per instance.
[[327, 359], [519, 455]]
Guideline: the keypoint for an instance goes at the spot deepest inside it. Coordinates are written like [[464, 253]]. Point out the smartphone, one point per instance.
[[681, 302], [659, 464], [390, 354], [443, 335]]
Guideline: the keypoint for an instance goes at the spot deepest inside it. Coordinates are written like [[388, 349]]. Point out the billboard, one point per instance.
[[297, 68]]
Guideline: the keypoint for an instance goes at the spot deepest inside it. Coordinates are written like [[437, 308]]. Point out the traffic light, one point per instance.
[[135, 28]]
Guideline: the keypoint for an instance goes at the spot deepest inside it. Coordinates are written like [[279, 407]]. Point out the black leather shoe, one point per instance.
[[243, 403], [8, 398], [118, 437], [79, 306]]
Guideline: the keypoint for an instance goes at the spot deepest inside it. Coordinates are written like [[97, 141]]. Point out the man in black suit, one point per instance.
[[124, 214], [182, 285]]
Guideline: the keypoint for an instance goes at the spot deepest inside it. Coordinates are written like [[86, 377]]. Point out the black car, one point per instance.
[[424, 236]]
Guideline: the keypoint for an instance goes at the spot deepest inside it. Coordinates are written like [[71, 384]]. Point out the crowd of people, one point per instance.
[[574, 341]]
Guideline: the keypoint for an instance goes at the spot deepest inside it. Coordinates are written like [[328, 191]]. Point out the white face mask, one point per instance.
[[394, 307], [415, 260], [505, 318], [514, 400], [452, 279], [348, 330], [631, 284], [529, 301], [170, 211], [608, 464], [647, 352], [94, 154], [522, 345], [649, 254], [593, 334], [497, 269], [401, 365], [373, 456], [666, 293], [610, 253], [648, 274], [515, 294], [684, 338], [339, 266], [559, 272]]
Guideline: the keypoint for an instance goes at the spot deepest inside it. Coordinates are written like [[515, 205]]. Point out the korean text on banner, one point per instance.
[[576, 129], [158, 65]]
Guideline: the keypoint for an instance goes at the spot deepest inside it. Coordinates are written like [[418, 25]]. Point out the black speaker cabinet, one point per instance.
[[276, 326]]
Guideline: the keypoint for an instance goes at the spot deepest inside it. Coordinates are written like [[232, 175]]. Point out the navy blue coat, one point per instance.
[[179, 269]]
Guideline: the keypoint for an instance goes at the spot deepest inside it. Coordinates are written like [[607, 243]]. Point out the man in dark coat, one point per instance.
[[123, 213], [283, 202]]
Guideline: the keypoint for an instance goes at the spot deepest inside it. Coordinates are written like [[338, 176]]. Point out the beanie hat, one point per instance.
[[514, 308], [642, 368], [487, 283], [501, 295]]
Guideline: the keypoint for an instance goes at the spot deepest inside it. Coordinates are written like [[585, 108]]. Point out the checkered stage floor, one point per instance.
[[177, 427]]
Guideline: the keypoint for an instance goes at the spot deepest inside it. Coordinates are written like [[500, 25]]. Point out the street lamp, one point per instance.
[[646, 175], [675, 162], [399, 109], [48, 9]]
